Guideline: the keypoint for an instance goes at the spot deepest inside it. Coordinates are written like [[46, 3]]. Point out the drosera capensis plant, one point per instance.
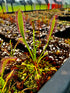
[[20, 22], [4, 62], [13, 48], [3, 83], [6, 85], [36, 60]]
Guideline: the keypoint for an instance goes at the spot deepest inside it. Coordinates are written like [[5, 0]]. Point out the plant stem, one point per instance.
[[34, 52]]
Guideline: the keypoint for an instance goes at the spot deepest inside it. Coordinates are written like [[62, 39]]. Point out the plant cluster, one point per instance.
[[35, 70]]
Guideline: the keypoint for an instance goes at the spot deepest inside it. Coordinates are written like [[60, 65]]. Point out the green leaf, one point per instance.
[[20, 22], [34, 51], [4, 62], [2, 82], [7, 79], [49, 36]]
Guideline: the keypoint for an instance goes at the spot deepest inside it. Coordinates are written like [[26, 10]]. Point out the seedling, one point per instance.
[[36, 60], [3, 83]]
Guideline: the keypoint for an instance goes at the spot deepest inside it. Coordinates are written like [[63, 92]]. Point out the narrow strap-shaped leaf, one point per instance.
[[49, 35], [34, 51], [7, 79], [20, 23], [4, 62]]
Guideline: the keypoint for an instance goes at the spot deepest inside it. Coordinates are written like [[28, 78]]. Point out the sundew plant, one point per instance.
[[33, 52], [4, 83]]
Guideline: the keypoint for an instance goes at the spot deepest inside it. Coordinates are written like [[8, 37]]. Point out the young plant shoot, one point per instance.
[[36, 60]]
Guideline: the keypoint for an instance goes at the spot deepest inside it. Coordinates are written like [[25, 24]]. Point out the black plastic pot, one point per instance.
[[60, 82], [65, 18], [63, 34]]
